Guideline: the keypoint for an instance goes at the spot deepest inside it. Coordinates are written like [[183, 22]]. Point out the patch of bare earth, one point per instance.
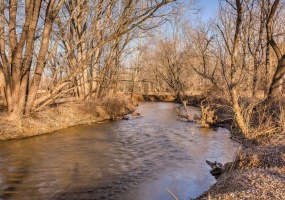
[[63, 115]]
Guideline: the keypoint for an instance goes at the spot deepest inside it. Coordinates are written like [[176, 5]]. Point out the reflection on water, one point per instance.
[[135, 159]]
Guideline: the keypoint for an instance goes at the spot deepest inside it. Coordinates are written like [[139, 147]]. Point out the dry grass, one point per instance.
[[117, 106], [264, 119], [63, 115], [261, 157]]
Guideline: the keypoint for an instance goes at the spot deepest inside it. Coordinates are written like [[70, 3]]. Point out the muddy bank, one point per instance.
[[63, 115]]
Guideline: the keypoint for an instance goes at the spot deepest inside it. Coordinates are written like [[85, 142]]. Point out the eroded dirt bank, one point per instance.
[[65, 114]]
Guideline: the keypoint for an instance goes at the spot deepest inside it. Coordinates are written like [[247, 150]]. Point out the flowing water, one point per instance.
[[143, 158]]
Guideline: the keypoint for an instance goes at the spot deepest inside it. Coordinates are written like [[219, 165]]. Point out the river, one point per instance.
[[143, 158]]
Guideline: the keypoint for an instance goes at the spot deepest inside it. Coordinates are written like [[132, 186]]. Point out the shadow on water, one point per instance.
[[140, 158]]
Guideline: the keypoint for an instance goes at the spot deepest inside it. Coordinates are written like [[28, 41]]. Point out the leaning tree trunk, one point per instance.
[[238, 113], [275, 88], [51, 13], [40, 66], [234, 75], [2, 87]]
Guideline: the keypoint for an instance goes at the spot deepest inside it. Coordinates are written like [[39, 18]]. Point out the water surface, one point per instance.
[[140, 158]]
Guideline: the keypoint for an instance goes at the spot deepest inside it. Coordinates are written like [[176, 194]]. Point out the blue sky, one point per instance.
[[210, 8]]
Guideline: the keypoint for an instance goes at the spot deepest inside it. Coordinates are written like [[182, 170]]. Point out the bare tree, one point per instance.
[[18, 48], [66, 39]]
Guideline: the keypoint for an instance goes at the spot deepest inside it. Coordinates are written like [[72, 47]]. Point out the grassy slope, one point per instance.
[[63, 115]]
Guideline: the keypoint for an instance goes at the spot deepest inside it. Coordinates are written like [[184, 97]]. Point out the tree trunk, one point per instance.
[[275, 89], [254, 81], [80, 86], [238, 112], [41, 60], [267, 65]]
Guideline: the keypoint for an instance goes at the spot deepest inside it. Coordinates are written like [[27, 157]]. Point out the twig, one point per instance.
[[236, 139], [171, 193], [186, 116]]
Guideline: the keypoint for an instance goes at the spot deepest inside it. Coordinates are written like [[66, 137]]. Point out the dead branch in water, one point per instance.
[[171, 193], [186, 115]]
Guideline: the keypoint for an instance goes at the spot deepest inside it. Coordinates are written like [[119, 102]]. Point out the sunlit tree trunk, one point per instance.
[[51, 12], [275, 88]]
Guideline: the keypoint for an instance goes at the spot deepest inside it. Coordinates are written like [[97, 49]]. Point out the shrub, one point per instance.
[[116, 105], [264, 118]]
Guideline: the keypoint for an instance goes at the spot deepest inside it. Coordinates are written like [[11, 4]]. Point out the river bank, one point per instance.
[[258, 169], [70, 112], [61, 115], [257, 172]]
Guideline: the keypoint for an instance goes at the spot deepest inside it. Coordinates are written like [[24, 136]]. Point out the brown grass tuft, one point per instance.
[[117, 106]]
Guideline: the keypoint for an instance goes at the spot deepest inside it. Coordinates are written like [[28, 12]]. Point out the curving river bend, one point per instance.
[[136, 159]]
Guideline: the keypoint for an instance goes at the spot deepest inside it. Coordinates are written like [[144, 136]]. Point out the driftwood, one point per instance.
[[218, 168], [211, 115], [208, 116], [186, 115], [173, 195], [204, 120]]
